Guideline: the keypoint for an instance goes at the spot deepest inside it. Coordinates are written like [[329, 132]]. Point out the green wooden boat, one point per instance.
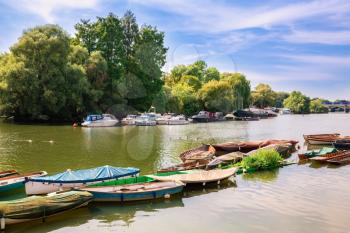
[[40, 207], [320, 152], [16, 182]]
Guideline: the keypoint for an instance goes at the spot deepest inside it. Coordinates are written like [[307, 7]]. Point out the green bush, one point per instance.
[[261, 160]]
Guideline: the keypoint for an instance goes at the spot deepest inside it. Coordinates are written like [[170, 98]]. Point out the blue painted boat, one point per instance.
[[134, 192], [75, 179], [16, 182]]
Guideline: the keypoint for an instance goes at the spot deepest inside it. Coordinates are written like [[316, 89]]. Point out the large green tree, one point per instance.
[[43, 76], [263, 96], [297, 103], [316, 106], [280, 97], [240, 87], [217, 96], [134, 57]]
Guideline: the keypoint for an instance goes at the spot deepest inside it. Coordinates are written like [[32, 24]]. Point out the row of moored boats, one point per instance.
[[153, 118], [53, 194], [336, 148]]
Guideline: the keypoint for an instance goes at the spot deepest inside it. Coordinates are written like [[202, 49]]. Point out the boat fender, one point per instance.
[[2, 223], [167, 196], [203, 184]]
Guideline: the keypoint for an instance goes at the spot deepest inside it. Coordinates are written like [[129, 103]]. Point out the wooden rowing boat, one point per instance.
[[40, 207], [197, 164], [338, 154], [340, 160], [204, 152], [307, 136], [199, 177], [15, 182], [342, 144], [322, 140], [134, 192], [283, 149], [246, 147], [74, 179], [320, 152], [8, 173], [229, 158]]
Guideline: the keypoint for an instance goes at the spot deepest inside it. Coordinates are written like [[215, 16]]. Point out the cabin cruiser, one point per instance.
[[129, 120], [146, 119], [286, 111], [104, 120], [204, 116], [178, 120], [163, 120]]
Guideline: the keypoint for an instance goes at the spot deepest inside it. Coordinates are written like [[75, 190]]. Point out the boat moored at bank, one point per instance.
[[41, 207], [106, 191], [74, 179], [104, 120]]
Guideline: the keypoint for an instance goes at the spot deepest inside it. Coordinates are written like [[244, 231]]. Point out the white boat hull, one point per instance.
[[180, 122], [101, 123], [38, 188], [145, 123]]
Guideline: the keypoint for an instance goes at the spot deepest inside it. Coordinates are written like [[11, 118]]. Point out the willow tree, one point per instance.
[[41, 82], [240, 87], [217, 96]]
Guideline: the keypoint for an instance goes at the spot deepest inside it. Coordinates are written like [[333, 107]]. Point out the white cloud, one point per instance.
[[323, 60], [46, 8], [211, 16], [320, 37]]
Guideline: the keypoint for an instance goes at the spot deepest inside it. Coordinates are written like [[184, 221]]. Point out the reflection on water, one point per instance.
[[263, 176], [307, 198]]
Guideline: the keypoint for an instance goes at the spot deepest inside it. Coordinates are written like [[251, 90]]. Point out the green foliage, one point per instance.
[[211, 74], [197, 69], [263, 96], [261, 160], [297, 103], [316, 106], [217, 96], [109, 64], [280, 97], [42, 81], [210, 90], [192, 81], [240, 87]]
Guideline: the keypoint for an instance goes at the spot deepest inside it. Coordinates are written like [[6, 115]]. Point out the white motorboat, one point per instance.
[[129, 120], [146, 119], [163, 120], [286, 111], [178, 120], [104, 120]]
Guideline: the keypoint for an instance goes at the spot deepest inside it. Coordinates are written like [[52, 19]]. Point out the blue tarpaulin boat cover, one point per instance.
[[88, 175]]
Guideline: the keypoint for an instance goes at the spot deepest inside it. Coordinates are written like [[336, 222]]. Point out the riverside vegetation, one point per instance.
[[114, 65]]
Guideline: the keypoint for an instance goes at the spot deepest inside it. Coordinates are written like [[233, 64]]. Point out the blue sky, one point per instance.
[[291, 45]]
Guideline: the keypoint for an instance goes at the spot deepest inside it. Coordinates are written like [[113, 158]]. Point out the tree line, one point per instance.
[[114, 65], [109, 65]]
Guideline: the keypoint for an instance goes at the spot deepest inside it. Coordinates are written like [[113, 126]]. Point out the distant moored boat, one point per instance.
[[104, 120]]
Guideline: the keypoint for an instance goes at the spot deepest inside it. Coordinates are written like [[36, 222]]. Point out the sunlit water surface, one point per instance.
[[297, 198]]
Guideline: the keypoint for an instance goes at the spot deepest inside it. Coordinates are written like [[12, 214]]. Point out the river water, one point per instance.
[[297, 198]]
